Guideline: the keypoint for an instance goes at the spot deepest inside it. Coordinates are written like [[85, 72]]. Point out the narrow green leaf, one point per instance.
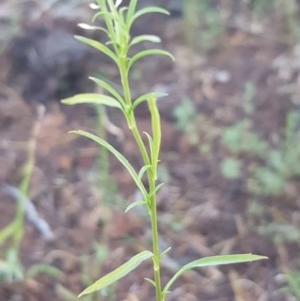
[[147, 10], [92, 98], [143, 170], [97, 15], [156, 132], [145, 38], [99, 46], [132, 205], [212, 261], [118, 155], [150, 281], [163, 253], [131, 10], [151, 193], [146, 97], [151, 144], [148, 52], [106, 86], [118, 273]]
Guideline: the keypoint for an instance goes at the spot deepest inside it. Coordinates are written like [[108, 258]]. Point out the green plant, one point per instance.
[[118, 22], [11, 236], [288, 12], [11, 268], [201, 16], [293, 282], [231, 168], [274, 167], [185, 115], [281, 164], [240, 138]]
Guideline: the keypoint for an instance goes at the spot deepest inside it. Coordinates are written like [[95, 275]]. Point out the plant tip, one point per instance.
[[86, 26], [118, 2], [94, 6]]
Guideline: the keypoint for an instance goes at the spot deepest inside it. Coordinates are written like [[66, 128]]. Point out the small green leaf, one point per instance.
[[145, 38], [163, 253], [144, 11], [118, 273], [148, 52], [118, 155], [146, 97], [150, 281], [143, 170], [156, 131], [212, 261], [132, 205], [131, 10], [151, 144], [154, 191], [106, 86], [99, 46], [92, 98], [97, 15]]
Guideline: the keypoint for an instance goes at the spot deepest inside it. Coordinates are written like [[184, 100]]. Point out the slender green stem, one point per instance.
[[155, 247], [152, 203], [151, 179], [131, 118], [124, 79], [153, 213]]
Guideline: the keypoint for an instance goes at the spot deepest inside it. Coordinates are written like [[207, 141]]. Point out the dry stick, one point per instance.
[[30, 211]]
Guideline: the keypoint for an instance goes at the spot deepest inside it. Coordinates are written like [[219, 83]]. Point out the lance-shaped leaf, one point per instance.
[[145, 38], [212, 261], [148, 52], [92, 98], [156, 132], [118, 155], [146, 97], [99, 46], [106, 86], [144, 11], [131, 10], [151, 146], [132, 205], [143, 170], [118, 273]]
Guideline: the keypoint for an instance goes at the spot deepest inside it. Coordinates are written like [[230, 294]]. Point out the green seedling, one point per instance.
[[200, 17], [11, 236], [117, 26], [11, 268], [231, 168], [185, 114], [281, 164], [293, 282]]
